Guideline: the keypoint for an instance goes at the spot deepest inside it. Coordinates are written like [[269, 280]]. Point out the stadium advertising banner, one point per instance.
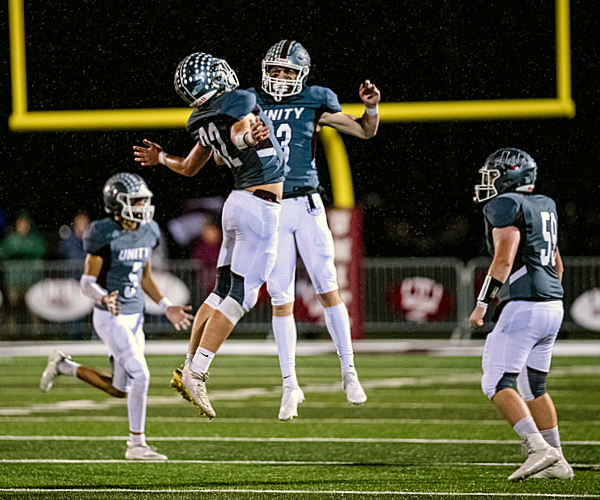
[[346, 227]]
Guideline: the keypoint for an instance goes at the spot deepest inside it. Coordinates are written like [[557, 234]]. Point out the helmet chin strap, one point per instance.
[[129, 225]]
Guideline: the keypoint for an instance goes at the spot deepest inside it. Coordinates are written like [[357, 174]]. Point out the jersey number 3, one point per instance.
[[549, 232]]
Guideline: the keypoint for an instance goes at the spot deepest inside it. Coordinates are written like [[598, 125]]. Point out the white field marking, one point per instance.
[[286, 440], [296, 492], [271, 421], [266, 462]]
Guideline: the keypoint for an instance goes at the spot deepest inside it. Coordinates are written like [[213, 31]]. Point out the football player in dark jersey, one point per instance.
[[521, 231], [117, 271], [298, 113], [228, 123]]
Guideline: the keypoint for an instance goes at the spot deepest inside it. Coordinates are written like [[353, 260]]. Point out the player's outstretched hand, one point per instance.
[[260, 131], [369, 94], [179, 317], [147, 156], [111, 301], [476, 319]]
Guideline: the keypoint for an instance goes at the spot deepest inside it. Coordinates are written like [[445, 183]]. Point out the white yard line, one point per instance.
[[285, 440], [274, 421], [295, 492]]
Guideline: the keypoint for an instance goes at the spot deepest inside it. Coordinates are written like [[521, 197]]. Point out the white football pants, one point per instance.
[[124, 337], [523, 336], [306, 230], [250, 233]]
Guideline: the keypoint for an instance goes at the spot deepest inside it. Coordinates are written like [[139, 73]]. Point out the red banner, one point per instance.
[[346, 227]]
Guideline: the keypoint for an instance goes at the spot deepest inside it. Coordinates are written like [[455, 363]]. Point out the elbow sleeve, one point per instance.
[[91, 289]]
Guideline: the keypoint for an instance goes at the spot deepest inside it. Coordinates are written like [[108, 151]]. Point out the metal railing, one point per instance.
[[402, 297]]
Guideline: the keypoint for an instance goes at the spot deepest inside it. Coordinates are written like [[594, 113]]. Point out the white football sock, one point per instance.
[[284, 330], [338, 325], [202, 360], [137, 439], [552, 437], [136, 403], [188, 358], [68, 367], [525, 426]]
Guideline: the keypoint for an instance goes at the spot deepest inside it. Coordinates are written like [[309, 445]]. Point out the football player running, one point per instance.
[[229, 124], [525, 275], [299, 112], [117, 271]]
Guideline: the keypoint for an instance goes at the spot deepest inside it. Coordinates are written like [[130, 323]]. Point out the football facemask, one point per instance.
[[127, 195], [136, 208], [285, 54], [504, 171]]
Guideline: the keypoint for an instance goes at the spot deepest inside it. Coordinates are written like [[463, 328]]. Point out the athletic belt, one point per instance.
[[303, 191], [265, 195]]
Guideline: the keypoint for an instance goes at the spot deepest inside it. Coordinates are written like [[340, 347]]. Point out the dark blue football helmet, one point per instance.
[[200, 76], [287, 54], [506, 170], [122, 194]]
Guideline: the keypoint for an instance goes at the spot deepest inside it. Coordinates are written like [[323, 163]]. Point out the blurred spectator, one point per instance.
[[205, 249], [190, 225], [25, 243], [71, 245]]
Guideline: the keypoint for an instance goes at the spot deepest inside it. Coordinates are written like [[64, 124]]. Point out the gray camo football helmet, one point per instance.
[[200, 76], [121, 193], [287, 54], [506, 170]]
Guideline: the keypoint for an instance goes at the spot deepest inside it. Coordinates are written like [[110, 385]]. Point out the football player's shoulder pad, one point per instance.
[[325, 97], [98, 234], [502, 210], [238, 103], [153, 228]]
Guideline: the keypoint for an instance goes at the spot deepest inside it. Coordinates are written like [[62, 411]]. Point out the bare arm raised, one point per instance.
[[153, 154], [363, 127]]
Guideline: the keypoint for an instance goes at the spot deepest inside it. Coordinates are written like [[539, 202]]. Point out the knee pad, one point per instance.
[[213, 300], [231, 309], [536, 380], [223, 283], [137, 369], [491, 387], [237, 289]]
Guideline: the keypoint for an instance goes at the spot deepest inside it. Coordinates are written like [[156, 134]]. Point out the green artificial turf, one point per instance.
[[427, 431]]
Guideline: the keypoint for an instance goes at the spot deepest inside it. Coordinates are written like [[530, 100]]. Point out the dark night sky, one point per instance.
[[415, 180]]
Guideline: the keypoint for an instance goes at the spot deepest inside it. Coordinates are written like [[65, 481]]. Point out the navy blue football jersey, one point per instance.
[[210, 125], [295, 120], [124, 254], [533, 276]]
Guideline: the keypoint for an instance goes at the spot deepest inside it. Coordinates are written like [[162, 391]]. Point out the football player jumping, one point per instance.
[[525, 275], [117, 269], [230, 124], [299, 112]]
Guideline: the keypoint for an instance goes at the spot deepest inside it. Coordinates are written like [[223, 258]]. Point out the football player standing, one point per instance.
[[525, 275], [117, 271], [230, 124], [298, 113]]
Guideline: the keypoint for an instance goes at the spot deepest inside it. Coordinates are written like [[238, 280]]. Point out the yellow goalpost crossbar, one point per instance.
[[22, 120]]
